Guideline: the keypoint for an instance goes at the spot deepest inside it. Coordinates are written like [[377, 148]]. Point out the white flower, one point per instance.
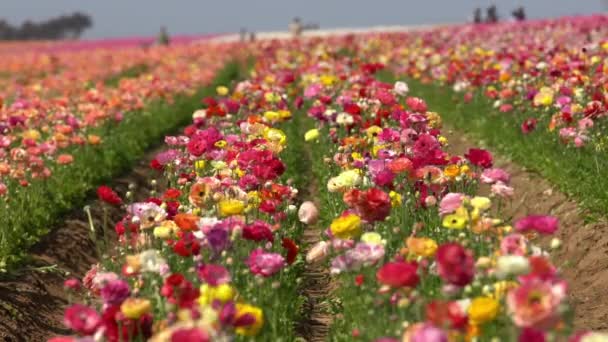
[[512, 265], [344, 119], [401, 88]]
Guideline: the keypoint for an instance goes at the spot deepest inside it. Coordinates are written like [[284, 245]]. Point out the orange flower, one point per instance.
[[94, 139], [186, 221]]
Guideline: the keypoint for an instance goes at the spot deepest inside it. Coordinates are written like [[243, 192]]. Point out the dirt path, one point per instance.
[[32, 302], [583, 257], [317, 283]]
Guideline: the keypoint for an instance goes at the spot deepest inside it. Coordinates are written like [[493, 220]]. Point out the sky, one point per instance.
[[126, 18]]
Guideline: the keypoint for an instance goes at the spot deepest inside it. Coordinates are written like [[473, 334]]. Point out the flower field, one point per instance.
[[307, 190]]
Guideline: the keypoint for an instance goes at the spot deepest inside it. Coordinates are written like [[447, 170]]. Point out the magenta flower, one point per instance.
[[539, 223], [265, 264], [115, 292]]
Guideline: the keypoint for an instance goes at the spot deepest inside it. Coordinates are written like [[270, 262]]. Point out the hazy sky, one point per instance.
[[118, 18]]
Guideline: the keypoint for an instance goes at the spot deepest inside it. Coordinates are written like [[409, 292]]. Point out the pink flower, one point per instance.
[[490, 176], [539, 223], [424, 332], [535, 303], [265, 264], [318, 252], [514, 244], [450, 202], [81, 319], [308, 213], [312, 91], [115, 292], [502, 190]]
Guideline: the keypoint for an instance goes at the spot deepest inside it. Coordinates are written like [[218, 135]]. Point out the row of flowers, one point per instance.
[[553, 71], [52, 102], [215, 254], [417, 253]]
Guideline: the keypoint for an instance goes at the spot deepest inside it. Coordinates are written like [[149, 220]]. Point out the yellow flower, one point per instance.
[[481, 203], [346, 227], [222, 90], [372, 238], [258, 315], [272, 97], [220, 143], [199, 166], [284, 114], [218, 165], [229, 207], [31, 134], [423, 247], [457, 220], [223, 293], [275, 135], [134, 308], [271, 115], [482, 310], [442, 140], [544, 97], [502, 287], [396, 199], [328, 80], [312, 134], [377, 148], [373, 131]]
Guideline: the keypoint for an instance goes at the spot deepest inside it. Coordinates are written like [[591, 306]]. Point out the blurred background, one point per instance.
[[129, 18]]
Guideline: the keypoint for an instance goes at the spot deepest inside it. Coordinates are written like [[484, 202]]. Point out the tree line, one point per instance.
[[62, 27]]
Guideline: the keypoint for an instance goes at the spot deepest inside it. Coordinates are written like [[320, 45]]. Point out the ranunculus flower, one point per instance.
[[265, 264], [308, 213], [398, 274], [450, 202], [479, 157], [115, 292], [539, 223], [81, 319], [401, 88], [455, 264], [535, 303], [258, 231], [372, 204], [318, 251], [490, 176], [424, 332], [106, 194], [528, 125], [190, 334]]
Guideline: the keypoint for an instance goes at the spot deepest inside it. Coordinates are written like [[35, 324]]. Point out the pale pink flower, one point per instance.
[[450, 202], [308, 213]]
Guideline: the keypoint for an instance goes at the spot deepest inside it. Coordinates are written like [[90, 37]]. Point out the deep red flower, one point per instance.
[[479, 157], [359, 279], [156, 165], [292, 250], [398, 274], [528, 125], [455, 264], [258, 231], [106, 194]]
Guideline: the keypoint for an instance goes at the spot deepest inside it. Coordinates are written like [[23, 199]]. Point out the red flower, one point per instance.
[[172, 193], [292, 250], [82, 319], [258, 231], [372, 204], [359, 279], [156, 165], [455, 264], [106, 194], [528, 125], [479, 157], [398, 274], [442, 313]]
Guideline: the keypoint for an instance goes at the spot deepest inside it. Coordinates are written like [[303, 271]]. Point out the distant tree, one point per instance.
[[62, 27]]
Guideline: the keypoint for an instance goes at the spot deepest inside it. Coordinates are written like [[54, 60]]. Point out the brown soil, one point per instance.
[[33, 300], [583, 257], [317, 284]]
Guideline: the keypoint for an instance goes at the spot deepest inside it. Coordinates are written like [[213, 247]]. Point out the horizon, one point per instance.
[[115, 19]]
